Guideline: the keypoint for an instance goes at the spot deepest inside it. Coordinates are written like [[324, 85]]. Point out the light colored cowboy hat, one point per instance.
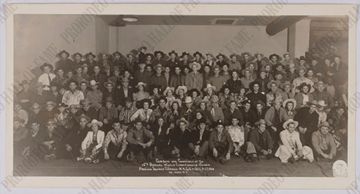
[[140, 84], [209, 86], [182, 120], [93, 83], [96, 122], [188, 99], [322, 103], [184, 88], [286, 123], [289, 100], [168, 89], [198, 65]]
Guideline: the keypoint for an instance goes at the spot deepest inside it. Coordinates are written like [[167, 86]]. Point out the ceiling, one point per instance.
[[189, 20]]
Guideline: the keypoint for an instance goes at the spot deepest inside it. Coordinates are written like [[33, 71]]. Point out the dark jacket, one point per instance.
[[261, 141]]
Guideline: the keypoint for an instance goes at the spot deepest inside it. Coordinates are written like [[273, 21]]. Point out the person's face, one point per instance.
[[287, 57], [233, 58], [207, 69], [259, 107], [321, 87], [108, 105], [177, 70], [96, 69], [302, 72], [305, 89], [256, 87], [125, 84], [83, 86], [235, 121], [289, 106], [162, 103], [83, 122], [337, 60], [51, 127], [49, 107], [64, 55], [148, 58], [186, 70], [234, 74], [35, 127], [47, 69], [287, 88], [273, 58], [117, 127], [142, 65], [85, 69], [216, 70], [310, 73], [169, 93], [146, 105], [94, 87], [246, 56], [233, 105], [198, 115], [160, 121], [53, 88], [324, 130], [312, 108], [341, 111], [181, 92], [141, 87], [194, 94], [149, 68], [156, 91], [202, 126], [17, 124], [109, 87], [126, 74], [291, 127], [220, 128], [158, 55], [273, 87], [175, 106], [158, 70], [202, 106], [225, 68], [247, 106], [227, 91], [94, 127], [182, 126], [79, 70], [61, 109], [138, 125], [36, 108], [188, 105], [267, 68], [242, 91], [72, 86], [327, 61], [128, 104], [60, 73], [262, 127], [167, 69]]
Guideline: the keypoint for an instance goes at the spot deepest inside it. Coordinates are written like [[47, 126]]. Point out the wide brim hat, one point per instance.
[[77, 54], [209, 86], [289, 100], [260, 102], [84, 117], [149, 54], [184, 53], [167, 89], [188, 99], [220, 54], [140, 84], [278, 58], [251, 85], [159, 52], [259, 122], [286, 83], [198, 65], [93, 83], [311, 89], [313, 102], [181, 88], [95, 122], [236, 55], [62, 105], [63, 51], [322, 103], [182, 120], [209, 54], [109, 82], [50, 102], [289, 121], [116, 53], [90, 54], [173, 52], [324, 124], [197, 53], [272, 82], [46, 65]]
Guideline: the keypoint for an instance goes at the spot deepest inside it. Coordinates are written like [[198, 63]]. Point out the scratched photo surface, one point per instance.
[[180, 94]]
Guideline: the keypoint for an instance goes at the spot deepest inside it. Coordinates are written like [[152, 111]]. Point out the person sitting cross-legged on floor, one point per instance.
[[323, 143], [180, 140], [292, 149], [238, 135], [200, 139], [91, 146], [220, 143], [140, 142], [260, 143], [115, 142]]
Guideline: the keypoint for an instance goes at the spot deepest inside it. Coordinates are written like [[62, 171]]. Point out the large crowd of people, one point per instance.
[[143, 105]]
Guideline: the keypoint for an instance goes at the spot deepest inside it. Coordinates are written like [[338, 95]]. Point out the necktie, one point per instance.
[[49, 78]]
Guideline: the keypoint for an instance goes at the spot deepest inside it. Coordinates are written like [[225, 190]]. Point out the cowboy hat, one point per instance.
[[182, 120], [197, 53], [188, 99], [194, 90], [168, 89], [63, 51], [173, 52], [76, 54], [62, 105], [181, 88], [159, 52], [324, 124], [198, 65], [46, 65], [289, 121], [289, 100], [286, 83], [140, 84], [116, 53], [209, 86], [275, 55], [184, 53], [95, 122], [149, 54], [220, 54], [50, 102], [303, 84], [259, 122], [272, 82], [93, 83], [84, 117], [90, 54], [322, 103]]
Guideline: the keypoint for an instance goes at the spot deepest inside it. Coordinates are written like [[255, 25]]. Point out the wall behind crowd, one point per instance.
[[205, 38]]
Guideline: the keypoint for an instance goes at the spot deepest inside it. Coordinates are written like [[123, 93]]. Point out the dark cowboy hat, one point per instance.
[[194, 90], [220, 54], [159, 52], [236, 55], [46, 65], [275, 55], [143, 47], [245, 53], [90, 53], [173, 52], [198, 53], [76, 54], [246, 101], [116, 53], [144, 101], [182, 120], [260, 102], [219, 122], [199, 121], [62, 105], [305, 84], [63, 51], [184, 53]]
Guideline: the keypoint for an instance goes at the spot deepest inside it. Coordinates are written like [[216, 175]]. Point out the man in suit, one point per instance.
[[220, 143], [125, 92]]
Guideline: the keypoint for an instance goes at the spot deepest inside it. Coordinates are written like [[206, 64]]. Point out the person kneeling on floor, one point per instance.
[[260, 143], [140, 142], [238, 135], [292, 149], [91, 147], [115, 142], [220, 143], [324, 143]]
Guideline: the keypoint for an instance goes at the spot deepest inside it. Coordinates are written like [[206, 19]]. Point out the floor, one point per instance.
[[234, 167]]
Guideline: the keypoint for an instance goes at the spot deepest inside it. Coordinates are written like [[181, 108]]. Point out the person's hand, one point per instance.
[[300, 153], [120, 154], [106, 156], [273, 128], [68, 147], [93, 152], [330, 156], [264, 152], [215, 152], [227, 157], [269, 151], [296, 157]]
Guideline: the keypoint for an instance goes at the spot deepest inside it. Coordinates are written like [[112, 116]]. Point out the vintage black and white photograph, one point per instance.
[[181, 94]]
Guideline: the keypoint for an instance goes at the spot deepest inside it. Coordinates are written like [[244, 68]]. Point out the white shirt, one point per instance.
[[72, 98], [45, 80], [237, 134]]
